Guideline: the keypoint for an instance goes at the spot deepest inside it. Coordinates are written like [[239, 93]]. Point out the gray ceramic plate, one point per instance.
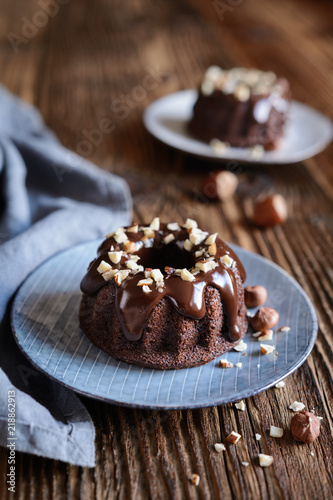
[[45, 324], [307, 132]]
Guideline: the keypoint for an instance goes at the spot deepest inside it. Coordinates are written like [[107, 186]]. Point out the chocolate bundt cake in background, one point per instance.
[[164, 296], [241, 107]]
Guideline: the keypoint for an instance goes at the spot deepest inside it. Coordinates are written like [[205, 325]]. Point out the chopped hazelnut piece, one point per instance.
[[146, 289], [190, 224], [148, 272], [135, 258], [120, 276], [155, 224], [224, 363], [147, 281], [239, 365], [206, 266], [188, 245], [258, 437], [197, 236], [267, 349], [276, 432], [265, 335], [241, 346], [109, 274], [279, 385], [296, 406], [186, 275], [227, 261], [257, 151], [233, 437], [133, 229], [157, 275], [246, 464], [148, 232], [240, 406], [129, 246], [168, 238], [115, 257], [195, 479], [173, 226], [265, 460], [211, 239], [120, 238], [103, 267], [219, 447], [132, 265], [199, 253], [212, 249], [242, 93]]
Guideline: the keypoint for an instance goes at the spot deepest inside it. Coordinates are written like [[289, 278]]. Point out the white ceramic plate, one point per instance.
[[307, 132], [46, 328]]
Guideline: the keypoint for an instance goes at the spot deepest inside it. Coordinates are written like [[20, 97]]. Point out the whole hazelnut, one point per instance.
[[255, 295], [264, 319], [219, 185], [270, 211], [305, 427]]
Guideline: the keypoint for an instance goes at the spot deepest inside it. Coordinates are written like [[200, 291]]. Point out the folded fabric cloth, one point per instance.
[[50, 199]]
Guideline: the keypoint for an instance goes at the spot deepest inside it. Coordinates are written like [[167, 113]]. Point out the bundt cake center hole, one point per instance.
[[168, 256]]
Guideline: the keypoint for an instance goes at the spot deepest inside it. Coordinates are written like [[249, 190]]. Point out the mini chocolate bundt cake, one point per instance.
[[164, 296], [241, 107]]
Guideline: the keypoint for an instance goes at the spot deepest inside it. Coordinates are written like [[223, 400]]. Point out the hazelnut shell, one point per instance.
[[255, 296], [264, 319], [270, 211]]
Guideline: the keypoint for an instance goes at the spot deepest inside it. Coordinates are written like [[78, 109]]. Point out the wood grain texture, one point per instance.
[[91, 62]]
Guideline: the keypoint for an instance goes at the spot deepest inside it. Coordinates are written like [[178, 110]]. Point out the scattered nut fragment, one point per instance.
[[186, 275], [257, 151], [305, 427], [233, 437], [246, 464], [219, 185], [296, 406], [265, 335], [241, 346], [242, 93], [284, 329], [157, 275], [147, 281], [195, 479], [219, 447], [239, 365], [267, 349], [109, 274], [120, 276], [255, 296], [146, 289], [240, 406], [132, 265], [265, 460], [270, 211], [276, 432], [169, 270], [264, 319], [197, 236], [280, 385], [258, 437], [224, 363], [199, 253], [133, 229], [219, 147]]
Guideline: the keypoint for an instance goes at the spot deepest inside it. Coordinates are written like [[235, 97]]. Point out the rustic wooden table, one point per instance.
[[85, 63]]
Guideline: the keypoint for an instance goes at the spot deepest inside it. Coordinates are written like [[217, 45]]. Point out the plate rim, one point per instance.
[[162, 407], [318, 147]]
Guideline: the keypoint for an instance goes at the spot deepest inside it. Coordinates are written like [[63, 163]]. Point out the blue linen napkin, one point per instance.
[[50, 199]]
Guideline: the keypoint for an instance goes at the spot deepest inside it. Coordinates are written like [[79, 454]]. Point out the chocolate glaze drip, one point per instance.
[[134, 306]]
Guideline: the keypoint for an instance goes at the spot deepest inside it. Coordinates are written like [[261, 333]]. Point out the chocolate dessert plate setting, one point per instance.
[[307, 132], [45, 320]]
